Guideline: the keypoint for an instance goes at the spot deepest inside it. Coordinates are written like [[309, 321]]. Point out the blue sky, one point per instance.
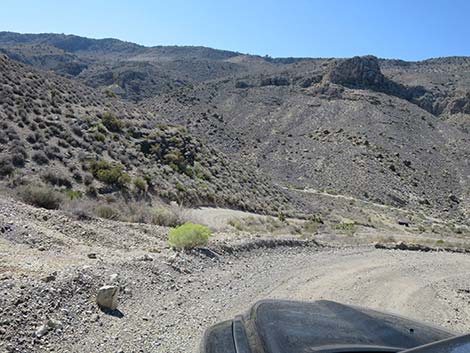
[[405, 29]]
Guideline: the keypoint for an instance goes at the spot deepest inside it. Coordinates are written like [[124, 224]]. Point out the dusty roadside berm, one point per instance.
[[107, 297]]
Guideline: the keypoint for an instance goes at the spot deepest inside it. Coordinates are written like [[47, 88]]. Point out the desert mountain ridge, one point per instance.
[[388, 131]]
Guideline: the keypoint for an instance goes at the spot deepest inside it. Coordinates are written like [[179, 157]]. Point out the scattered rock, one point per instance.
[[42, 330], [207, 252], [403, 246], [413, 247], [91, 256], [6, 228], [49, 278], [107, 297], [54, 323], [47, 326], [114, 278], [4, 276], [419, 247], [404, 222], [144, 257]]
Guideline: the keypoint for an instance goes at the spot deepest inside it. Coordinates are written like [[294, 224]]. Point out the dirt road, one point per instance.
[[167, 299], [433, 287]]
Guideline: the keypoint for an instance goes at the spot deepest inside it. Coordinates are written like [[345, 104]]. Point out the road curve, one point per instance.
[[431, 287]]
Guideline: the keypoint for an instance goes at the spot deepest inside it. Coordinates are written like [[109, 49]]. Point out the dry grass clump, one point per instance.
[[168, 216], [265, 225], [119, 209], [107, 212], [41, 196]]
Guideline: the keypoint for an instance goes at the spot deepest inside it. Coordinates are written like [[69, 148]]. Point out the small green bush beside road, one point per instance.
[[188, 236]]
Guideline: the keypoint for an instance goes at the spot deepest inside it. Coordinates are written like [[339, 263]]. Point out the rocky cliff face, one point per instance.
[[365, 73], [460, 104], [359, 71]]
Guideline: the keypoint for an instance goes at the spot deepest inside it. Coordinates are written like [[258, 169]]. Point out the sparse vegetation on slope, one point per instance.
[[351, 130], [66, 135]]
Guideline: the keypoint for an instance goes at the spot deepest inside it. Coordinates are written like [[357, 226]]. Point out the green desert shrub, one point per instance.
[[312, 224], [100, 137], [316, 218], [274, 224], [110, 94], [44, 197], [6, 166], [73, 194], [188, 236], [140, 184], [109, 173], [111, 122], [347, 227]]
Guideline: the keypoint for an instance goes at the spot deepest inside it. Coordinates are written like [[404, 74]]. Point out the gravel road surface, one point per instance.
[[432, 287]]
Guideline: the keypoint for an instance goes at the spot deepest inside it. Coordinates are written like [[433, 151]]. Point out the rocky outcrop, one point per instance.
[[420, 247], [360, 71], [364, 72], [460, 104], [274, 81]]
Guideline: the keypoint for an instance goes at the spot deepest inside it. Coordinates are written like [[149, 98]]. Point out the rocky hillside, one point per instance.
[[387, 131], [66, 135], [343, 126]]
